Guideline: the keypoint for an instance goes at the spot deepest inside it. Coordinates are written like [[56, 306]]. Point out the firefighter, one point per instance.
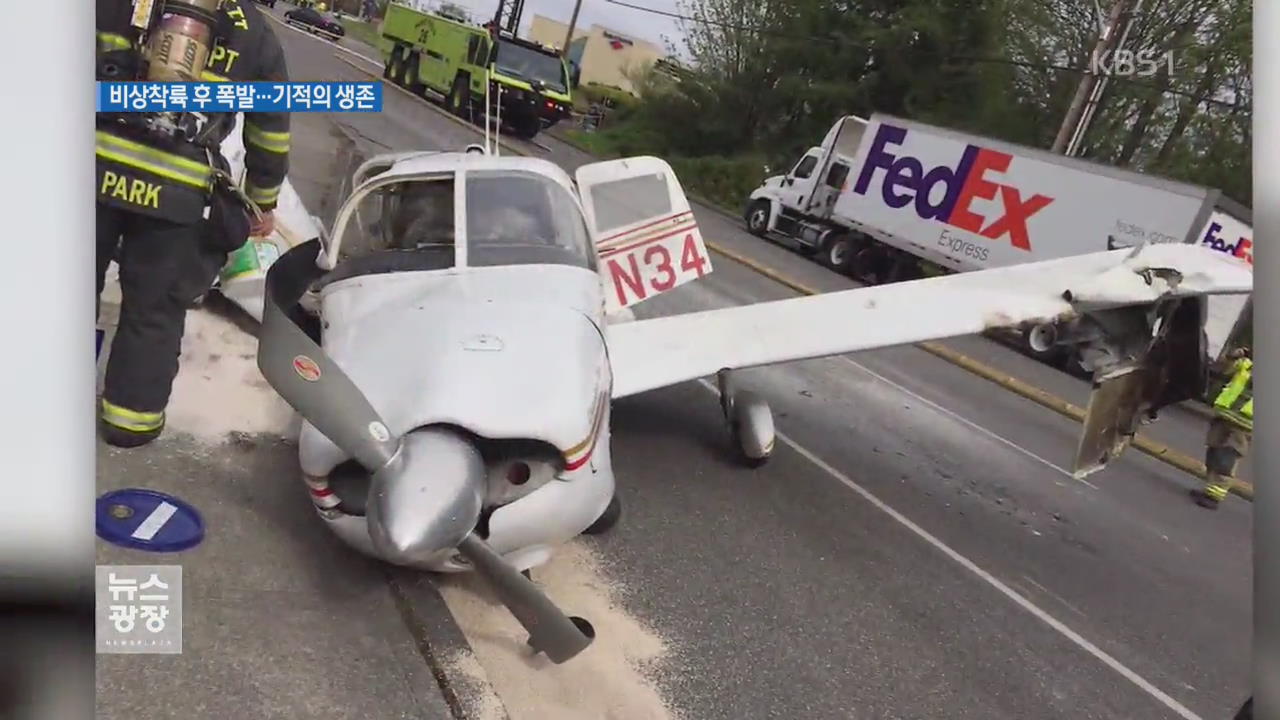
[[1230, 431], [168, 212]]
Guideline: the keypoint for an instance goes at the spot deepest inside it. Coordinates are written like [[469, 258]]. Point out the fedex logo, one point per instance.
[[905, 182], [1242, 248]]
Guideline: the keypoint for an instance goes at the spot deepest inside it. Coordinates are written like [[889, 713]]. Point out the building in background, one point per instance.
[[604, 57]]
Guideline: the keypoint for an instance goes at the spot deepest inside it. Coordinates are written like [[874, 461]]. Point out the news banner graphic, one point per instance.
[[233, 97], [139, 609]]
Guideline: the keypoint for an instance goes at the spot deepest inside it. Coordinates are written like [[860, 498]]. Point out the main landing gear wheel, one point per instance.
[[607, 519], [749, 419]]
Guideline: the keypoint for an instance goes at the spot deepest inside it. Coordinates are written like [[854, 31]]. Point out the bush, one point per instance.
[[723, 181]]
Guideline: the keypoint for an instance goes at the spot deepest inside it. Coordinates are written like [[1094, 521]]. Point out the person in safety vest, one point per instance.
[[1230, 431], [168, 212]]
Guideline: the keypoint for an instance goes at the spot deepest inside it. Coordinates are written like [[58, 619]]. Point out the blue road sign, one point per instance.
[[148, 520]]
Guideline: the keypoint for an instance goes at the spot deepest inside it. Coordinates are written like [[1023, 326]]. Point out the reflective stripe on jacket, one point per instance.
[[1235, 401]]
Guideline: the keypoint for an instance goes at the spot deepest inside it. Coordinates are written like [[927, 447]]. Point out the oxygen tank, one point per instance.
[[181, 40]]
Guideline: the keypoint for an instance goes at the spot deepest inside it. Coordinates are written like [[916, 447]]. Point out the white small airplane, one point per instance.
[[455, 345]]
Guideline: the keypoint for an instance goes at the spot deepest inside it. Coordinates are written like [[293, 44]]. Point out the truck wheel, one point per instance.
[[459, 101], [838, 253], [758, 218], [528, 128], [1054, 356], [411, 80], [392, 69]]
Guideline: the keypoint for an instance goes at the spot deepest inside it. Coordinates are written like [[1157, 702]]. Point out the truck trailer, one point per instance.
[[529, 83], [888, 200]]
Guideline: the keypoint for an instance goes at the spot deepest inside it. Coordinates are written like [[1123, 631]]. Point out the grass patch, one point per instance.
[[724, 182], [366, 33]]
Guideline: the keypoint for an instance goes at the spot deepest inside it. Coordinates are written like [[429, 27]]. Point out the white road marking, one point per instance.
[[156, 520], [965, 421], [986, 577]]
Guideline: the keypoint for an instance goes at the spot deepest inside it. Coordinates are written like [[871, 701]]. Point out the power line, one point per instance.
[[717, 23]]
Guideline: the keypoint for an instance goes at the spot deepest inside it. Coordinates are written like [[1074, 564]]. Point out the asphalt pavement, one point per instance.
[[913, 550]]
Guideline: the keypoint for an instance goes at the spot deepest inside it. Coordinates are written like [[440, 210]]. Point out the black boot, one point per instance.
[[1203, 499], [121, 438]]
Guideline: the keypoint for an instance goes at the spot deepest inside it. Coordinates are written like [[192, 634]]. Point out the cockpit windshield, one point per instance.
[[400, 227], [516, 217], [513, 217]]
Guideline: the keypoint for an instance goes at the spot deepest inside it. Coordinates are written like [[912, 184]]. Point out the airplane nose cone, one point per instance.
[[428, 498]]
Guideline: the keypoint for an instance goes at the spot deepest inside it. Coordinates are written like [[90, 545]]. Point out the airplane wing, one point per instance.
[[650, 354]]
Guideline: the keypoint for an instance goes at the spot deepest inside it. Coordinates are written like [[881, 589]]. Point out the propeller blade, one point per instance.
[[550, 631], [300, 372]]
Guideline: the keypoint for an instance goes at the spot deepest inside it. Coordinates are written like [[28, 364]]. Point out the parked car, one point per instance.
[[268, 3], [316, 22]]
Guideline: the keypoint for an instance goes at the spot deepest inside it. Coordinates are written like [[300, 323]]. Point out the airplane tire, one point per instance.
[[607, 519], [735, 437]]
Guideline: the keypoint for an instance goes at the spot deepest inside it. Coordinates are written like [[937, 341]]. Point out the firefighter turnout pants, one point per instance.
[[1226, 443], [164, 268]]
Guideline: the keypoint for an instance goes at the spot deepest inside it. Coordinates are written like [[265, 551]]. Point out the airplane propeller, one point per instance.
[[313, 384]]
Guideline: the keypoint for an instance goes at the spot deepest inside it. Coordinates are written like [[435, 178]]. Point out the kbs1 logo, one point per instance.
[[906, 181], [1242, 248]]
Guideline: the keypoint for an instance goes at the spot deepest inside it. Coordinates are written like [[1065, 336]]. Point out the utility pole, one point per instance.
[[1092, 82], [573, 21]]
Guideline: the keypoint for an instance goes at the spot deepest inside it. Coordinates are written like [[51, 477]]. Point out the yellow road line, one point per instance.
[[1155, 449]]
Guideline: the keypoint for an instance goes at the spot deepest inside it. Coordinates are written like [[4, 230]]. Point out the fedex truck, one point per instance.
[[888, 199]]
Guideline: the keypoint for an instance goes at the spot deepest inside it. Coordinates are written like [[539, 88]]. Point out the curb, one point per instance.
[[1157, 450], [439, 640]]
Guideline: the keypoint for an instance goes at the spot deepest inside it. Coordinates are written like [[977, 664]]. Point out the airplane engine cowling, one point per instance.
[[428, 498]]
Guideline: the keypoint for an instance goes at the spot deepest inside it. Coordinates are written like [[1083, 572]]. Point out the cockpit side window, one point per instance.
[[517, 217], [399, 227]]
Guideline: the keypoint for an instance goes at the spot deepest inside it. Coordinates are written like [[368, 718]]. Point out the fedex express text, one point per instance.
[[976, 176]]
